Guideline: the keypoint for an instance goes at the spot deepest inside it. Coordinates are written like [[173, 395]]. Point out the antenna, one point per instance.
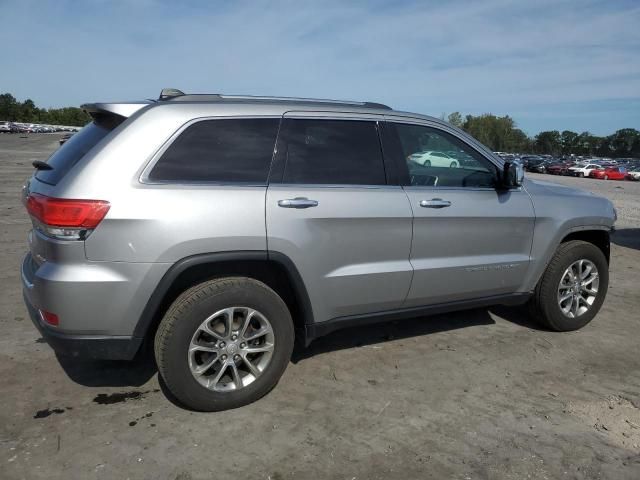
[[170, 93]]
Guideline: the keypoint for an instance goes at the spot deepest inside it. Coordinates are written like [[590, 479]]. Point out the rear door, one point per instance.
[[470, 239], [331, 211]]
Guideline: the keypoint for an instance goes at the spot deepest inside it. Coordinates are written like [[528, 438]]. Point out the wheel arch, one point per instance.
[[598, 237], [274, 269]]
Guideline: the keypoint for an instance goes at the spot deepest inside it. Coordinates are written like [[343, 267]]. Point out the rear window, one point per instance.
[[70, 153], [220, 151]]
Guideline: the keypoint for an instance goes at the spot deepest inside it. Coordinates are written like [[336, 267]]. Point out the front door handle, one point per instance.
[[435, 203], [298, 202]]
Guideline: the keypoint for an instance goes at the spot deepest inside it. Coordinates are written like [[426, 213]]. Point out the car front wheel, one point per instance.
[[224, 343], [572, 288]]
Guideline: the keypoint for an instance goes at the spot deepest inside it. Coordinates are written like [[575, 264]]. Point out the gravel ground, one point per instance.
[[476, 394]]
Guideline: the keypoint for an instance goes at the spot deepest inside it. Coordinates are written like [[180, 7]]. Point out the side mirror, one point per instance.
[[513, 174]]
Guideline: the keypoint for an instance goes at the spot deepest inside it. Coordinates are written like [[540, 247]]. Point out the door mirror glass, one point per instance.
[[513, 174]]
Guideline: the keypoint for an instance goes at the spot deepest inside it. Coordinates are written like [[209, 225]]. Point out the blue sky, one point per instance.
[[551, 64]]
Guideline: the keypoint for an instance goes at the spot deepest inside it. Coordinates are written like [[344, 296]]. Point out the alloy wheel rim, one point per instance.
[[231, 349], [578, 288]]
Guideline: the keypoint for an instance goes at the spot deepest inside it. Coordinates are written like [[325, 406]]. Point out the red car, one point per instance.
[[609, 173]]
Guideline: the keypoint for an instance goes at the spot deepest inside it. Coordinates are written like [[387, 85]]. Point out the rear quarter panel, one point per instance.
[[156, 222]]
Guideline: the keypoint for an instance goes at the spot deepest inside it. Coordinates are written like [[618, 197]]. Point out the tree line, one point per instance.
[[501, 134], [26, 112]]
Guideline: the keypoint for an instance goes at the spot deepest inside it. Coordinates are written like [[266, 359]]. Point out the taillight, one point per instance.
[[50, 318], [64, 218]]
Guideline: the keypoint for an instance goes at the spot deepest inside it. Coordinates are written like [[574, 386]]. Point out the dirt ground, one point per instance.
[[476, 394]]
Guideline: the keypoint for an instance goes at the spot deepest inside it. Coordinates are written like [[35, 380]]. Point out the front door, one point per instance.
[[471, 239]]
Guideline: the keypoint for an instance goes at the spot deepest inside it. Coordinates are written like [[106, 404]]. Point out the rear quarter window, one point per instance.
[[70, 153], [220, 151]]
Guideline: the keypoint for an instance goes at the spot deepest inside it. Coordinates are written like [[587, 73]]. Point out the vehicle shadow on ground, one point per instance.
[[627, 237], [414, 327], [110, 373], [139, 371]]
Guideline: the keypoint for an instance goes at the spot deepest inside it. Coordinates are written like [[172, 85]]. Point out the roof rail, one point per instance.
[[171, 94]]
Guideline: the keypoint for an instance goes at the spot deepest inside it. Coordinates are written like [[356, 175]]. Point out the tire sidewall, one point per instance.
[[236, 292]]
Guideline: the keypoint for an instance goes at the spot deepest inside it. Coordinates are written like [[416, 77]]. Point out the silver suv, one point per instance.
[[222, 228]]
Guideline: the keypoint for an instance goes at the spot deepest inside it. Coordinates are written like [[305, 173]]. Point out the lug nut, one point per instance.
[[236, 357], [243, 345], [221, 345], [224, 357], [233, 337]]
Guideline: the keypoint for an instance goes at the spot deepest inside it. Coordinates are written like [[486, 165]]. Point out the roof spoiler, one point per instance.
[[121, 109]]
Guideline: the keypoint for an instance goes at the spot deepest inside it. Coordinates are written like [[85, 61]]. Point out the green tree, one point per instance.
[[9, 108], [455, 119], [28, 112], [622, 141], [549, 142], [497, 133], [569, 141]]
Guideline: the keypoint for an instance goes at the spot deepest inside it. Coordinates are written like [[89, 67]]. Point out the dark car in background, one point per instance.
[[65, 137], [558, 168], [535, 164]]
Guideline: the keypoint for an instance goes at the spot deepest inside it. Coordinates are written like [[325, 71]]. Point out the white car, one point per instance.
[[434, 159], [634, 174], [584, 170]]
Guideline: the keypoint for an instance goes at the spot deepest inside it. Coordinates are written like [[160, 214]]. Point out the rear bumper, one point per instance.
[[96, 347], [98, 304]]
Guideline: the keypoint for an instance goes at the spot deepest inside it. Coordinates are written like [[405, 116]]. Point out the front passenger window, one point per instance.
[[436, 158]]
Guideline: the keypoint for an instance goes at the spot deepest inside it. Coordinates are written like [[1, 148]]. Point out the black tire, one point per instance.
[[543, 305], [453, 165], [581, 174], [186, 314], [427, 163]]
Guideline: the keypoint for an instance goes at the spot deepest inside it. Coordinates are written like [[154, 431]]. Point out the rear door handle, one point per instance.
[[298, 202], [435, 203]]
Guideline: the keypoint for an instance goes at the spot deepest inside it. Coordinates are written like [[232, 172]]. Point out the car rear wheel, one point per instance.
[[427, 163], [224, 343], [572, 288]]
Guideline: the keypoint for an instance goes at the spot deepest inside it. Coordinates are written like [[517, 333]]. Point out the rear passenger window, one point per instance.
[[332, 152], [237, 150]]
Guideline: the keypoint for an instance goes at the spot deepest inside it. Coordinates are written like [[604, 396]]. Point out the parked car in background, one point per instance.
[[583, 170], [609, 173], [558, 168], [634, 174], [5, 127], [434, 159], [64, 138], [535, 164]]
